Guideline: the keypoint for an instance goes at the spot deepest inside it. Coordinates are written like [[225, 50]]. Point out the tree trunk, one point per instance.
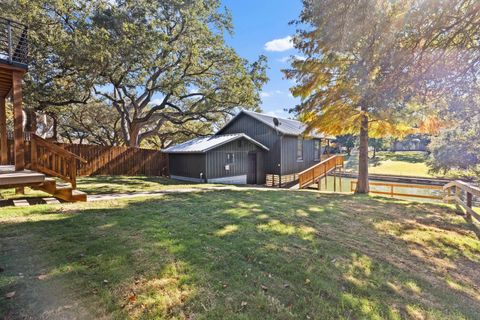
[[362, 182], [31, 123], [133, 141]]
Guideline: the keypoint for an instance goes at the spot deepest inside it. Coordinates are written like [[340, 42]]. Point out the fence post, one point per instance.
[[469, 203], [391, 191]]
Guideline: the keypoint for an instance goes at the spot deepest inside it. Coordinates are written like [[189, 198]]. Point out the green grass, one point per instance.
[[125, 184], [116, 184], [243, 254], [405, 163]]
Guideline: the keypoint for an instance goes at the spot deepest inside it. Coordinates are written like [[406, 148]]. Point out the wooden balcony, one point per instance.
[[13, 44]]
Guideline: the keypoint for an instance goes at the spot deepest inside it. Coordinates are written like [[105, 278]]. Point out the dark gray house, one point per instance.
[[251, 148]]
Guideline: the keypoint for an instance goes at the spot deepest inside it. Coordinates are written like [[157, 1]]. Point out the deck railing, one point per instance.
[[462, 193], [13, 43], [320, 170], [53, 160]]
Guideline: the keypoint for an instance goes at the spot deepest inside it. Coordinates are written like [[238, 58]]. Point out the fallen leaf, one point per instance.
[[10, 295], [105, 281], [286, 285], [307, 281], [243, 304], [132, 298], [42, 277], [264, 288]]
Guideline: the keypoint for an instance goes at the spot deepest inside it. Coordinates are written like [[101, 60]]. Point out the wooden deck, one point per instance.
[[9, 178]]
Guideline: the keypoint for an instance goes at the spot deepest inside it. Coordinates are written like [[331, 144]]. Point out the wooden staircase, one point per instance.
[[61, 191], [315, 173], [54, 161]]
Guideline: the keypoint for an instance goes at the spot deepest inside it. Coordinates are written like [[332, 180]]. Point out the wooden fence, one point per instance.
[[108, 160], [391, 189], [462, 194]]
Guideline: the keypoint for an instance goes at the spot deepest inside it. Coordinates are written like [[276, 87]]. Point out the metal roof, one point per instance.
[[204, 144], [286, 126]]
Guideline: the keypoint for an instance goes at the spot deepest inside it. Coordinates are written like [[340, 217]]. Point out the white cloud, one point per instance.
[[275, 113], [279, 45], [265, 94], [268, 94]]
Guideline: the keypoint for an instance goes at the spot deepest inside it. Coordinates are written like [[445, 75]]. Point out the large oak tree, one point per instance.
[[167, 63], [156, 63]]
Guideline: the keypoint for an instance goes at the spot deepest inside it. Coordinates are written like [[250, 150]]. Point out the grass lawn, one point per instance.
[[239, 255], [405, 163], [115, 184], [124, 184]]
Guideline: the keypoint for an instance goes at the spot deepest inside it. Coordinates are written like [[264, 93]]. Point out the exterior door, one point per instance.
[[252, 168]]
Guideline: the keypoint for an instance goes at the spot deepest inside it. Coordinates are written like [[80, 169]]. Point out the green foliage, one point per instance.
[[457, 148], [347, 141], [377, 144], [156, 63]]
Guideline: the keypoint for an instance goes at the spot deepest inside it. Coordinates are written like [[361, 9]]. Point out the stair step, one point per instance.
[[78, 195], [62, 190]]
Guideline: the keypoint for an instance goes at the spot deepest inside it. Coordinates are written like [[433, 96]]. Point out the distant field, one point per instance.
[[405, 163]]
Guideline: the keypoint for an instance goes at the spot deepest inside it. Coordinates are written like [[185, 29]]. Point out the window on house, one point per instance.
[[299, 149], [316, 150], [230, 158]]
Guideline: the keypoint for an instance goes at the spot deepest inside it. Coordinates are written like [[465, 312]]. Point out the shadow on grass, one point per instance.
[[250, 254], [114, 184]]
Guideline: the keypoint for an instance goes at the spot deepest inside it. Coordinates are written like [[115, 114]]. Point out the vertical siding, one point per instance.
[[187, 164], [289, 155], [262, 133], [217, 159]]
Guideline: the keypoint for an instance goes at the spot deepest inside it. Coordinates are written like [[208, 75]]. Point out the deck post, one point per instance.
[[335, 180], [19, 149], [325, 175], [3, 132], [469, 203]]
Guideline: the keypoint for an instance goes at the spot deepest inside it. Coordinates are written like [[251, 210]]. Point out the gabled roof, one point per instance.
[[204, 144], [286, 126]]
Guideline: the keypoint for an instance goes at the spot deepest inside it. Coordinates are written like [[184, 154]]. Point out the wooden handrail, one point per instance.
[[58, 149], [320, 170], [53, 160], [469, 190]]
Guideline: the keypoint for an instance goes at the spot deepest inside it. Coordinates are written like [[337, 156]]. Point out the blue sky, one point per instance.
[[261, 27]]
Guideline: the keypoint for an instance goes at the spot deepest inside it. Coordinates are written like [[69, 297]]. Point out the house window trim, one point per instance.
[[302, 148], [227, 162]]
